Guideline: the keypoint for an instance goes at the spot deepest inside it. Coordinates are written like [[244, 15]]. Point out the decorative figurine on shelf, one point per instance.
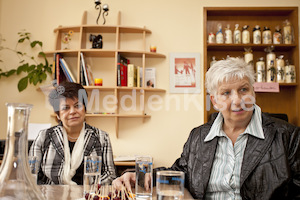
[[219, 35], [67, 38], [237, 38], [105, 10], [96, 40], [277, 36]]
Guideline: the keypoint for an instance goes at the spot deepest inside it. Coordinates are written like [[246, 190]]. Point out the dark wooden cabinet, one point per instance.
[[288, 99]]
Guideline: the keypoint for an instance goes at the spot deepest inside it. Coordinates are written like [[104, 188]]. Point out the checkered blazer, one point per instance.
[[49, 149]]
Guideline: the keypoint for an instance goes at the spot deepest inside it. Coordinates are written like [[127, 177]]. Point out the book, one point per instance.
[[66, 66], [118, 70], [123, 70], [139, 77], [90, 75], [65, 71], [54, 67], [150, 78], [60, 76], [131, 75], [84, 70]]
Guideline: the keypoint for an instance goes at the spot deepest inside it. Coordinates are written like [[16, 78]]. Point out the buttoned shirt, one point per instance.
[[224, 182]]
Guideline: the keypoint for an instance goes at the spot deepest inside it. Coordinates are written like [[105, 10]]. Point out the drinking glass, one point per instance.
[[92, 174], [170, 185], [144, 179]]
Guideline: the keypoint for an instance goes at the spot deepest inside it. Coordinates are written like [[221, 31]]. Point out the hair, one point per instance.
[[226, 70], [67, 90]]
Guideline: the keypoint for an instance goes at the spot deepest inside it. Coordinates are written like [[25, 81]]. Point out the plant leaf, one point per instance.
[[11, 72], [32, 44], [22, 84], [21, 40]]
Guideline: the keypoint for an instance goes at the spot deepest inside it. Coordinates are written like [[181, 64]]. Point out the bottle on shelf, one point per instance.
[[256, 35], [277, 36], [280, 69], [237, 38], [260, 70], [228, 35], [287, 32], [270, 64], [211, 38], [219, 35], [267, 36], [290, 73], [248, 56], [245, 35]]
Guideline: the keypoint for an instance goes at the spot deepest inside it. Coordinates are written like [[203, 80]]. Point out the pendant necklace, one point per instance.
[[73, 138]]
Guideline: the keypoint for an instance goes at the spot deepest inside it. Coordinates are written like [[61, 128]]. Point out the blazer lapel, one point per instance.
[[255, 150], [207, 154], [56, 137]]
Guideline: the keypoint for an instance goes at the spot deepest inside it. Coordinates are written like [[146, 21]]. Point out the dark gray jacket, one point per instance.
[[270, 168]]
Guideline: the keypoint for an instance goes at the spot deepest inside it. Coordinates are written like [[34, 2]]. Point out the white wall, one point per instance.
[[177, 26]]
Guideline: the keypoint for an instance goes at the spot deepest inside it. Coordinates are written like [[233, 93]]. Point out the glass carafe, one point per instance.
[[16, 181]]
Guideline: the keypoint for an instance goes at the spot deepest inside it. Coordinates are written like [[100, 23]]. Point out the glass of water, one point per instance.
[[170, 185], [144, 179], [92, 174]]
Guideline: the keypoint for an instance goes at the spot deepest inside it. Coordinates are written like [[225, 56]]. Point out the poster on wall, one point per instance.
[[184, 72]]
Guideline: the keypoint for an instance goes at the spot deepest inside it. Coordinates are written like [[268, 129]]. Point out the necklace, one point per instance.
[[73, 138]]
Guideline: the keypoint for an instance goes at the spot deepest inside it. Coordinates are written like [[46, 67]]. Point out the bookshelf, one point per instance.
[[111, 52], [288, 99]]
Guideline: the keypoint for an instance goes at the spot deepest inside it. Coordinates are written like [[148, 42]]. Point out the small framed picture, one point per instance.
[[184, 72]]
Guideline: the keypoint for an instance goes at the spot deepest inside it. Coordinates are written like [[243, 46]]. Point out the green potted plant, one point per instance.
[[35, 71]]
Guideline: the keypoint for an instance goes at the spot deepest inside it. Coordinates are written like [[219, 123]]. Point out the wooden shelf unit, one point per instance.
[[116, 31], [288, 99]]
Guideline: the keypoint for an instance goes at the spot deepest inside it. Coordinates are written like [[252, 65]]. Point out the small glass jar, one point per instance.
[[267, 36], [245, 35], [256, 35]]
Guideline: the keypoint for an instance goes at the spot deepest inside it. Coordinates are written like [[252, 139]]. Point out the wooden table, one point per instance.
[[65, 192]]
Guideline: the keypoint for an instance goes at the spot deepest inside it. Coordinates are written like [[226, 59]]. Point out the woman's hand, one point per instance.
[[127, 179]]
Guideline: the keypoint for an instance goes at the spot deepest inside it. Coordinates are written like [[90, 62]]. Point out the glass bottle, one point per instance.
[[16, 181]]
